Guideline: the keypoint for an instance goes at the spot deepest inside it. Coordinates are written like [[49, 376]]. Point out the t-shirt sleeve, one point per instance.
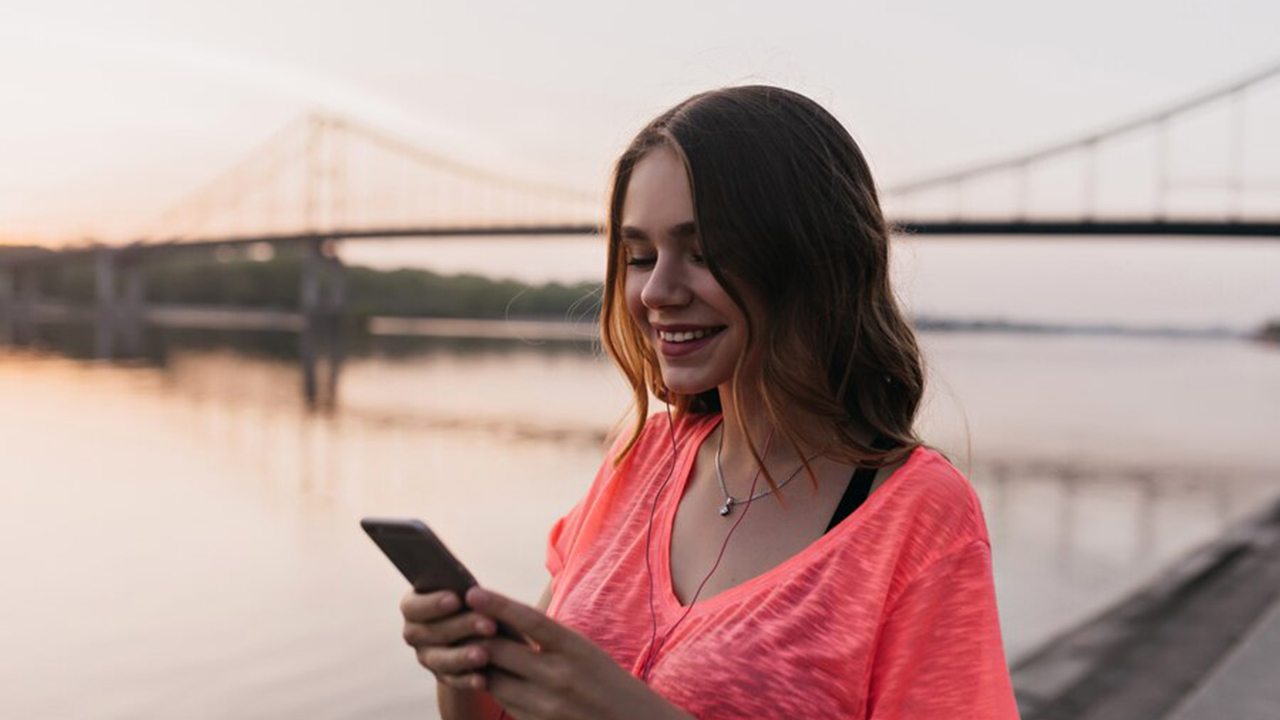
[[940, 653], [560, 539], [574, 527]]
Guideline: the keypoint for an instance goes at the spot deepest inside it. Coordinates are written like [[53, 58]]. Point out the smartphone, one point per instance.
[[424, 560]]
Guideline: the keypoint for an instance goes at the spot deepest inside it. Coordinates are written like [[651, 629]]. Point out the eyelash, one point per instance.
[[648, 261]]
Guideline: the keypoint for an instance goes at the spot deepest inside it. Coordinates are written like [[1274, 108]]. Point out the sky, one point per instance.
[[113, 112]]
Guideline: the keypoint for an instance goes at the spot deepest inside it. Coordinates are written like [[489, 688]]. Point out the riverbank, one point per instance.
[[234, 283], [1194, 644]]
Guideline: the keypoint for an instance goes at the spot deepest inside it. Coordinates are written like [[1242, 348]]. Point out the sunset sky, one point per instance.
[[114, 111]]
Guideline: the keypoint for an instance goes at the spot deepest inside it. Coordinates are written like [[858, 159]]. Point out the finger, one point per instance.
[[467, 681], [429, 606], [520, 698], [449, 630], [453, 661], [552, 672], [546, 632]]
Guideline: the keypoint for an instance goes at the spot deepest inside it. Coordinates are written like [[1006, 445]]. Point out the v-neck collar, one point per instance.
[[671, 605]]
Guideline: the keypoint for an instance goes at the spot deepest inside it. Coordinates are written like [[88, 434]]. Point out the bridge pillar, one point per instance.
[[28, 286], [8, 303], [104, 281], [335, 289], [324, 281], [312, 279], [105, 301], [134, 289], [28, 290], [130, 311], [8, 288], [322, 301]]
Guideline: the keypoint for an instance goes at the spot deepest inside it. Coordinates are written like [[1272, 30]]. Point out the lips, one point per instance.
[[681, 340]]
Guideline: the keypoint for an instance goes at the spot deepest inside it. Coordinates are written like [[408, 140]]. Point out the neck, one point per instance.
[[816, 436], [781, 458]]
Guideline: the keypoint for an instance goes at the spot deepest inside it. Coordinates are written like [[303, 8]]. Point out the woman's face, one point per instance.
[[694, 327]]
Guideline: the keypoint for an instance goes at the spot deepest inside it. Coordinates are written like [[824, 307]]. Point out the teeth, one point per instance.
[[686, 336]]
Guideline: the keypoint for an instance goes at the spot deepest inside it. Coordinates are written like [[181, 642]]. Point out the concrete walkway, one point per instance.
[[1246, 684], [1200, 642]]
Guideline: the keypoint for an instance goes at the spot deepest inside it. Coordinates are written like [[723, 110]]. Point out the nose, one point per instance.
[[666, 284]]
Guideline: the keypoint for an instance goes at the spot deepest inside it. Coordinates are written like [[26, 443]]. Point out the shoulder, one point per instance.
[[659, 435], [934, 508], [939, 493]]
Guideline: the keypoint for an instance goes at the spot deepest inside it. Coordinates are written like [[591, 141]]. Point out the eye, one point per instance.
[[640, 261]]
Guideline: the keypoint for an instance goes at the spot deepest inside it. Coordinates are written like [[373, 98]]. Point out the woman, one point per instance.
[[748, 286]]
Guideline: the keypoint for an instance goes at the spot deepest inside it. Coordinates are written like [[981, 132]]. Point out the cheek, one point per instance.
[[724, 305], [737, 321], [631, 295]]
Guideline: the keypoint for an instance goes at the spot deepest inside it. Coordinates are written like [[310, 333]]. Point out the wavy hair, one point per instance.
[[787, 212]]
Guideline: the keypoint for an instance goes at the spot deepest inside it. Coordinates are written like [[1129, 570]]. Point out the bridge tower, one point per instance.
[[8, 299]]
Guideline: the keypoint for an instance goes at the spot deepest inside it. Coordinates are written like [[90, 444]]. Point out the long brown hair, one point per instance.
[[786, 209]]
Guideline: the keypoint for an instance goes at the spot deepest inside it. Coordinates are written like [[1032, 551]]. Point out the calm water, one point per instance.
[[182, 541], [179, 536]]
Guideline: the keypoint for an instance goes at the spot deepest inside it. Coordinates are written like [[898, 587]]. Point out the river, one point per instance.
[[179, 534]]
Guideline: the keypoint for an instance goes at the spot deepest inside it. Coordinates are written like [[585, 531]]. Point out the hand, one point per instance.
[[562, 676], [436, 629]]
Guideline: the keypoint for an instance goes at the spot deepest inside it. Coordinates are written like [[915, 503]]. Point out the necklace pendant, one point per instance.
[[726, 508]]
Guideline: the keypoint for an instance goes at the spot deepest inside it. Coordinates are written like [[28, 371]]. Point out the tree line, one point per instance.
[[203, 279]]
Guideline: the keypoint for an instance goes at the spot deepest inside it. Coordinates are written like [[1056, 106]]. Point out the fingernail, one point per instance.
[[484, 627], [449, 602], [476, 595]]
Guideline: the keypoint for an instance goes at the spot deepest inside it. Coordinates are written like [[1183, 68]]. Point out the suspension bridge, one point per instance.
[[1202, 167]]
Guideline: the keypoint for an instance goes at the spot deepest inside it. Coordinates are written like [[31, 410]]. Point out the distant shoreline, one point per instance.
[[513, 329], [516, 327], [215, 292]]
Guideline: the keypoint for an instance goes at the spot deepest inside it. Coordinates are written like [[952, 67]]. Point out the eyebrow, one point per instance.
[[681, 231]]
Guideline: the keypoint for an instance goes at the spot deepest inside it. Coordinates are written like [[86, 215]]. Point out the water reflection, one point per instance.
[[320, 352], [210, 504], [318, 348]]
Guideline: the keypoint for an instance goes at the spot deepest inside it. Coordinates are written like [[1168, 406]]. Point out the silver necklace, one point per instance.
[[729, 500]]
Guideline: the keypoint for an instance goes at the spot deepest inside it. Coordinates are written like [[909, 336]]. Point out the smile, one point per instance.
[[686, 342], [687, 335]]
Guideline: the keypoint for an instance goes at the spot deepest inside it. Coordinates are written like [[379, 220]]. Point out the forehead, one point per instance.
[[658, 194]]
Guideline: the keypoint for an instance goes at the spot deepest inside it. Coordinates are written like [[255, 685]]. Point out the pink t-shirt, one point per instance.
[[891, 614]]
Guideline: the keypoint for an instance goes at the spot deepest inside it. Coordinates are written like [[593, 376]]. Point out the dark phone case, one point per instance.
[[424, 561], [419, 555]]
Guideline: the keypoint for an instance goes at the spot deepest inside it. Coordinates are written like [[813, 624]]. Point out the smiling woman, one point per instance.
[[747, 288], [671, 294]]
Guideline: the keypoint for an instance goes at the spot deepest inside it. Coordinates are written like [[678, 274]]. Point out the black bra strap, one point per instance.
[[859, 487]]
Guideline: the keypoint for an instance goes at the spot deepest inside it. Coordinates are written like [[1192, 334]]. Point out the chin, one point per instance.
[[687, 385], [689, 390]]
